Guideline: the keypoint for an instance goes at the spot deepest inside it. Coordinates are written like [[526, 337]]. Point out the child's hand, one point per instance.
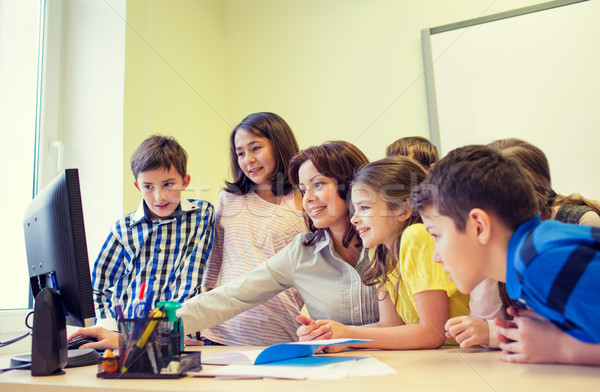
[[468, 331], [526, 339], [532, 338], [521, 311], [336, 331], [192, 342], [105, 337], [506, 324], [310, 331]]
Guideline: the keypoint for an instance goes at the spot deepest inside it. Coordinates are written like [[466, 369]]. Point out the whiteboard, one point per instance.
[[535, 76]]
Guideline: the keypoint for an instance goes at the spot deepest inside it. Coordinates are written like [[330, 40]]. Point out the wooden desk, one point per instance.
[[444, 370]]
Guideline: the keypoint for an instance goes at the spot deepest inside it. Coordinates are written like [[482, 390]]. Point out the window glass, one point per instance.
[[19, 48]]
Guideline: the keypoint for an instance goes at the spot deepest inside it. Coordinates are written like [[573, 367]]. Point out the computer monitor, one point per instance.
[[59, 275], [57, 254]]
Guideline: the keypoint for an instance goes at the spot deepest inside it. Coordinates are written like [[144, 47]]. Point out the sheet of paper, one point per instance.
[[233, 358], [363, 367], [296, 368], [260, 371], [317, 368]]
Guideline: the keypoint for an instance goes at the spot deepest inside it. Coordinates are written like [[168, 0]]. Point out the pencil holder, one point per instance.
[[150, 347]]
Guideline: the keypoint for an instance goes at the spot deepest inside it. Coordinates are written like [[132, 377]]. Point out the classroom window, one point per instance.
[[21, 30]]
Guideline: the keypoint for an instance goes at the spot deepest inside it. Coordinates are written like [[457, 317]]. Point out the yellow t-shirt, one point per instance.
[[420, 273]]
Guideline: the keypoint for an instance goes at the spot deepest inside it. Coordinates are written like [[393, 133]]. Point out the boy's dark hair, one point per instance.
[[274, 128], [336, 159], [158, 152], [477, 177], [423, 150]]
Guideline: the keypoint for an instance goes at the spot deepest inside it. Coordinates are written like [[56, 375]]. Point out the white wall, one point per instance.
[[18, 91], [84, 67], [87, 69]]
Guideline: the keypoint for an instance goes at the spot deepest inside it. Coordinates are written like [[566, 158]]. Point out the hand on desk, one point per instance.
[[468, 331], [105, 337], [192, 342], [309, 330], [110, 339], [528, 338], [321, 329], [533, 339]]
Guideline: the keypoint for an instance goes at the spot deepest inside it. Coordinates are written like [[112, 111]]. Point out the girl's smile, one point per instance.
[[255, 171], [362, 230]]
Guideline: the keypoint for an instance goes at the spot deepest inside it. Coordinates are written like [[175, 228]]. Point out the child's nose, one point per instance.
[[159, 193], [354, 219], [436, 257]]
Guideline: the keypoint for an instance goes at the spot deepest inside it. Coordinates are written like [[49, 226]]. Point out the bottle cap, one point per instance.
[[170, 309]]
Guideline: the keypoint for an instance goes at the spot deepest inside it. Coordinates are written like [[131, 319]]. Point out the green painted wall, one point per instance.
[[334, 69]]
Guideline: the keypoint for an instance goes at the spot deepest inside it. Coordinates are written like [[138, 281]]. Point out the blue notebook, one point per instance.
[[277, 352]]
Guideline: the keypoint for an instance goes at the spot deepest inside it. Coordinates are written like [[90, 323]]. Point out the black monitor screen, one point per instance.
[[56, 247]]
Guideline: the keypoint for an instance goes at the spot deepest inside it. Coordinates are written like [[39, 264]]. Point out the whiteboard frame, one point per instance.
[[428, 63]]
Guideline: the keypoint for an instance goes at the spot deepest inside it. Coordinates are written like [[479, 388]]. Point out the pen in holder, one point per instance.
[[151, 347], [140, 343]]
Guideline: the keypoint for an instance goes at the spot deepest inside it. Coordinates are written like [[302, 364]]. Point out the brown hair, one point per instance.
[[477, 177], [279, 133], [423, 150], [393, 178], [337, 160], [534, 163], [158, 152]]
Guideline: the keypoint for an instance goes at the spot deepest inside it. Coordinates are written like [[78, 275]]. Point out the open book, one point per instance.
[[277, 352]]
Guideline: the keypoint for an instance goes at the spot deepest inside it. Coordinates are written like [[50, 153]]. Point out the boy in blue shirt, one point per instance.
[[164, 244], [480, 209]]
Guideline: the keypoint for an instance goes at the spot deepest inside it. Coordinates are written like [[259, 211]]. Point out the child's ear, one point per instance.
[[482, 224], [404, 212], [186, 181]]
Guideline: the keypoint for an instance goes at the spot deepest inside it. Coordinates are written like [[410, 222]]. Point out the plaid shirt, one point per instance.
[[168, 255]]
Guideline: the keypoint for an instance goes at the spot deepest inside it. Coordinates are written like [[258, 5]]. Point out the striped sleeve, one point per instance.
[[215, 259]]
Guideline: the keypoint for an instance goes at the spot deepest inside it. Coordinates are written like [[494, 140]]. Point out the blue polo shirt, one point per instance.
[[554, 269]]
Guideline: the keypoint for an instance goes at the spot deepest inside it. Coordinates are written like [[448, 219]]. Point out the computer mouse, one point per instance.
[[79, 341]]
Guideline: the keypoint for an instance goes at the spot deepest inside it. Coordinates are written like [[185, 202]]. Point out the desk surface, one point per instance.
[[446, 369]]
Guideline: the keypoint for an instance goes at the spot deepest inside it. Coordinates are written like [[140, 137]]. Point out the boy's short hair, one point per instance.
[[477, 176], [158, 152], [423, 150]]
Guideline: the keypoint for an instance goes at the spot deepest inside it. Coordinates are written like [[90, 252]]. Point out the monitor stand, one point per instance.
[[49, 354]]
